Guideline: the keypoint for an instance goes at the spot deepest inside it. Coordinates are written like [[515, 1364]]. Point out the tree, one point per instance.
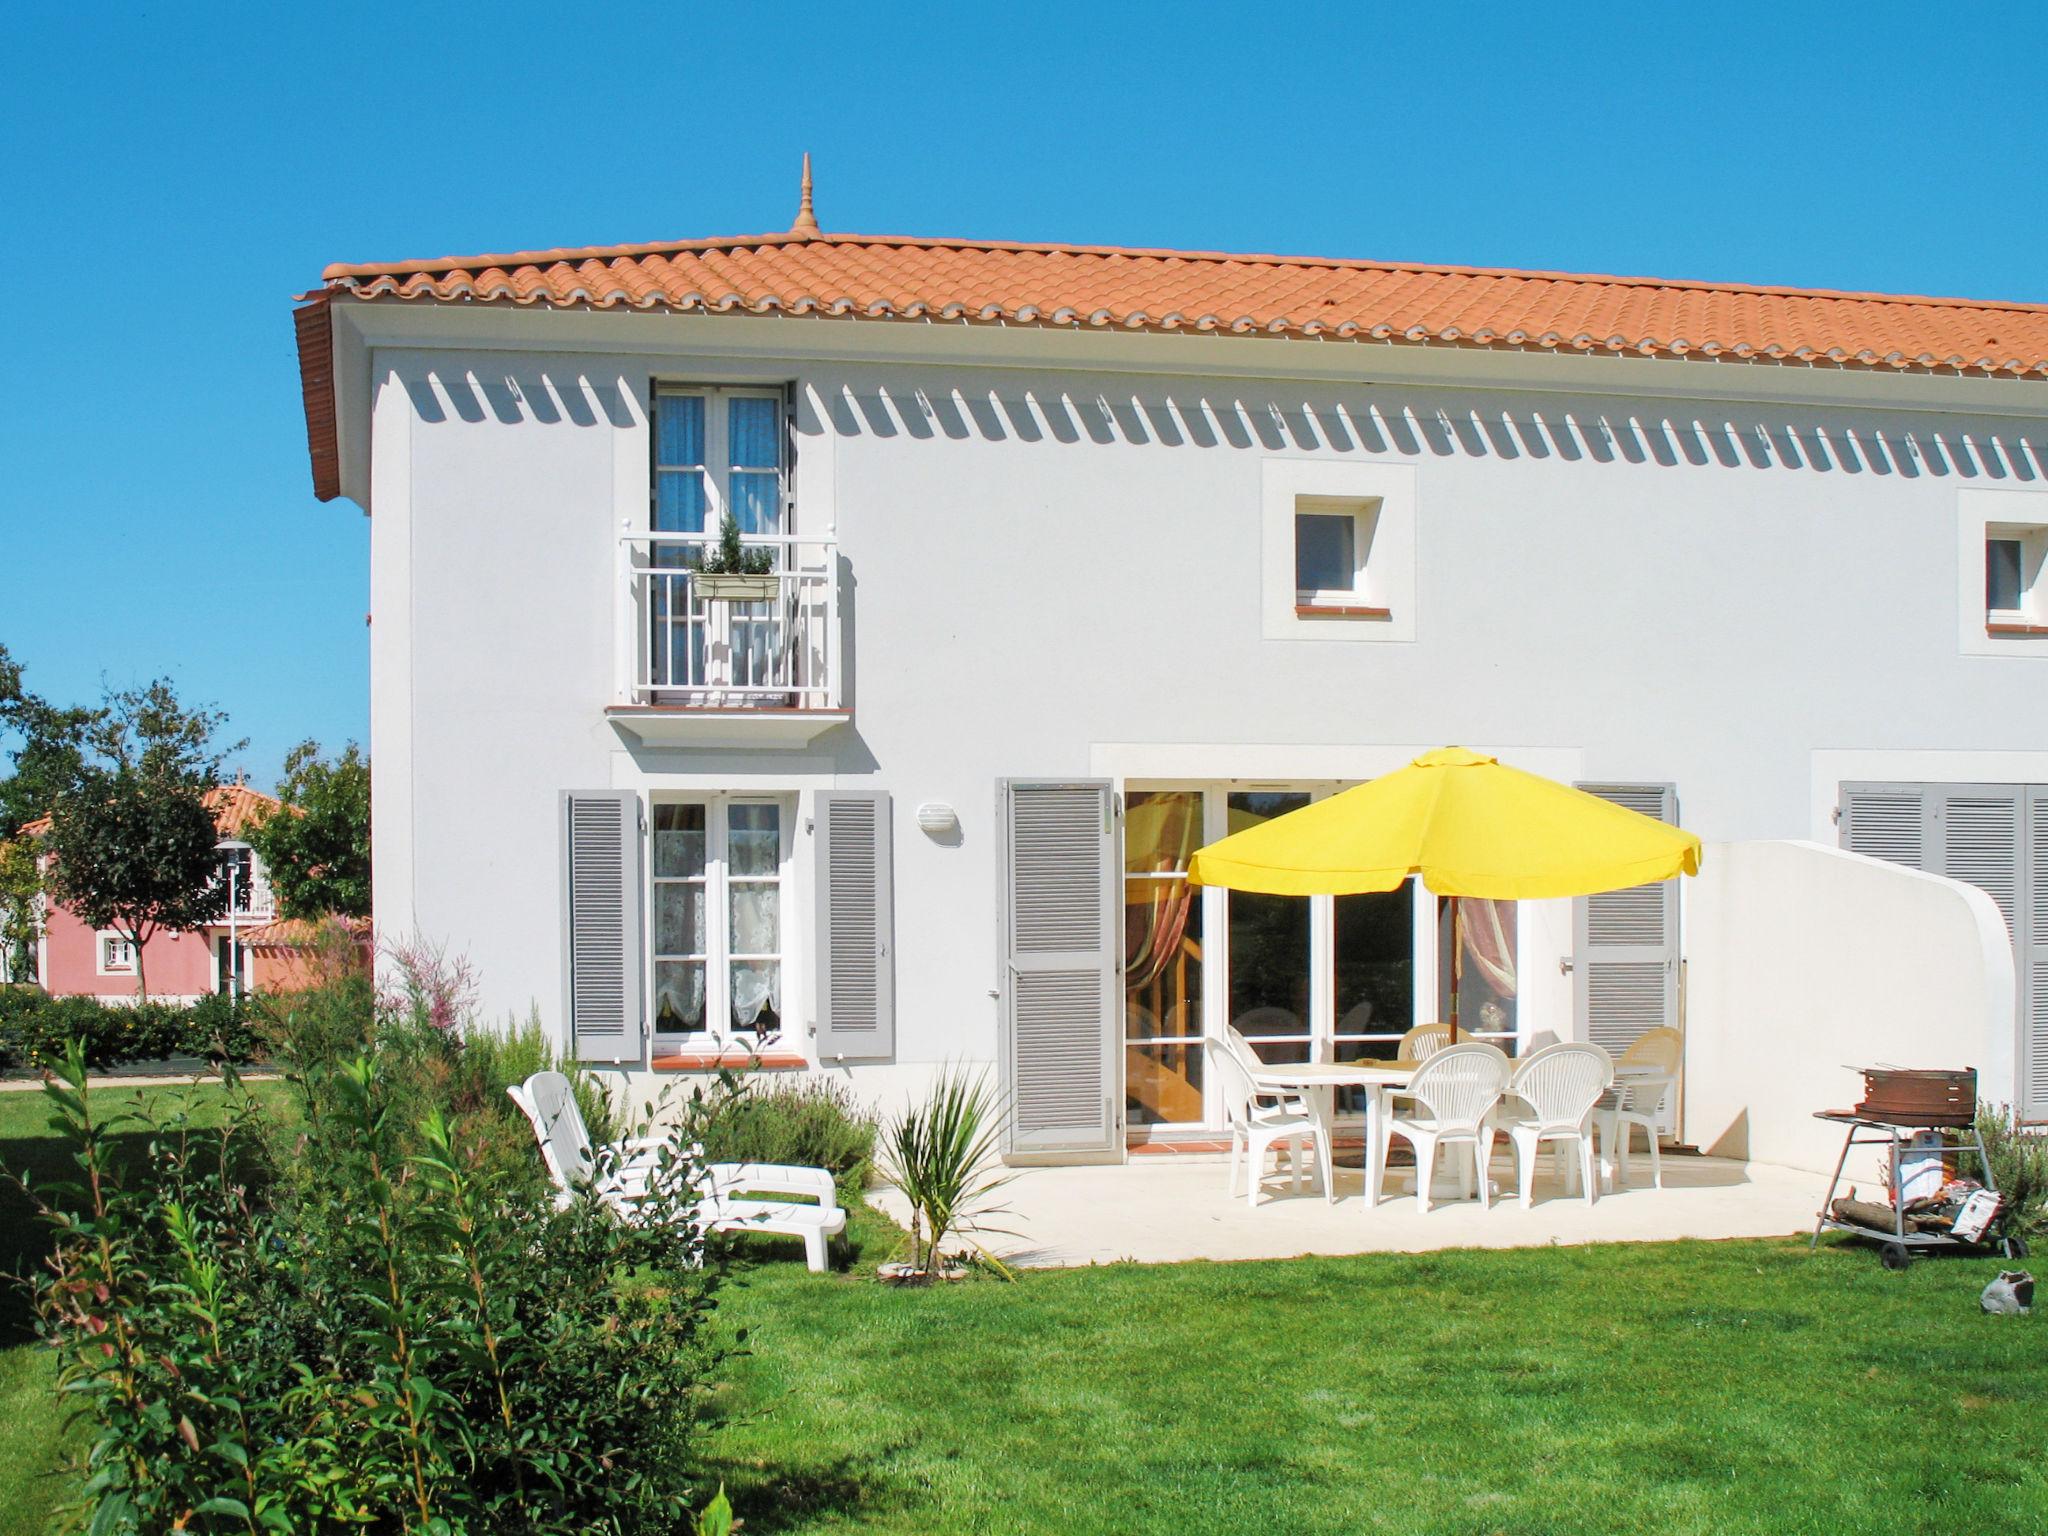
[[21, 889], [317, 847], [133, 842], [46, 749], [45, 755]]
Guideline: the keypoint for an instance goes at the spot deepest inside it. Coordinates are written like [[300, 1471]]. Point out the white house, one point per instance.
[[1083, 556]]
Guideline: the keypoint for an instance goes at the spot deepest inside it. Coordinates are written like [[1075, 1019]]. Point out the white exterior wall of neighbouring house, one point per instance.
[[1805, 963], [1717, 576]]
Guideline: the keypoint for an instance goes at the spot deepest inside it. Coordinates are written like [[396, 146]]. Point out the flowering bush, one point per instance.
[[426, 986]]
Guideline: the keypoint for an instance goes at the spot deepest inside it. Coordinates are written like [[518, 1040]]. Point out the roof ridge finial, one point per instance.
[[806, 221]]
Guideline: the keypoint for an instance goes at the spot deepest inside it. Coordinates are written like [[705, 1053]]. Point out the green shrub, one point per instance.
[[814, 1122], [2019, 1167], [367, 1322], [433, 1053], [36, 1028]]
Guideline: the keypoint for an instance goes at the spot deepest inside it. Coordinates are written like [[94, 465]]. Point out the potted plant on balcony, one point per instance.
[[733, 573]]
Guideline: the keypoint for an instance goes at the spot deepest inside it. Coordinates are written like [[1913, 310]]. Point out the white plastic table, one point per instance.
[[1318, 1081]]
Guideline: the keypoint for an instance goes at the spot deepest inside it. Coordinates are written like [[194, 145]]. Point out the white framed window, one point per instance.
[[720, 878], [2013, 590], [1337, 545], [2002, 572], [719, 450], [116, 955], [1333, 555], [238, 874]]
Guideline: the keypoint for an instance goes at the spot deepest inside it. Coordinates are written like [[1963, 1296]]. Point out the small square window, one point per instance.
[[116, 954], [1325, 551], [2004, 579]]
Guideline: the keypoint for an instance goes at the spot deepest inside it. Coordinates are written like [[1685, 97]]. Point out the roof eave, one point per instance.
[[314, 324]]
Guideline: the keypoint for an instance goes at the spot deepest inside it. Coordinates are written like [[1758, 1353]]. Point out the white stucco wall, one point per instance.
[[1804, 963], [1050, 567]]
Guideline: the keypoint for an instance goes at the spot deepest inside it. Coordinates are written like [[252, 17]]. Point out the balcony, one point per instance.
[[705, 665]]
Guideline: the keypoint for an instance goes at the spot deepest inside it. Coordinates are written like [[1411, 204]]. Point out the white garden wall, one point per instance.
[[1804, 962]]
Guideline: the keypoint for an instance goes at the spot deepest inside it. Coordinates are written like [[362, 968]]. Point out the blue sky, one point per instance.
[[170, 177]]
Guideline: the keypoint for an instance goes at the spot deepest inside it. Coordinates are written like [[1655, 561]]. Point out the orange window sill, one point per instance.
[[2016, 629], [1339, 611], [737, 1061]]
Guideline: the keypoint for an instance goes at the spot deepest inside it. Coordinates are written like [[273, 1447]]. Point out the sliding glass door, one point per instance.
[[1270, 956], [1163, 1076], [1302, 978]]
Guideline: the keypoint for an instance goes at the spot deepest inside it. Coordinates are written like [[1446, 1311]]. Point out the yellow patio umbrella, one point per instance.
[[1469, 825]]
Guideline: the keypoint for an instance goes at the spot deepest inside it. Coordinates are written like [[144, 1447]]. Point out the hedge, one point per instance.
[[35, 1026]]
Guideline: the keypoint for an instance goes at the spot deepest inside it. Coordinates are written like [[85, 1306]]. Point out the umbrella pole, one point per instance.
[[1457, 960]]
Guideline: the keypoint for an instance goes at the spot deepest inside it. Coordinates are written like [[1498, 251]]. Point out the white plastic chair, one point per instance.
[[1249, 1058], [1639, 1100], [728, 1193], [1452, 1093], [1551, 1098], [1423, 1042], [1260, 1119]]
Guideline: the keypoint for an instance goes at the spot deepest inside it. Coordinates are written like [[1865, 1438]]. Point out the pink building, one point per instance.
[[75, 959]]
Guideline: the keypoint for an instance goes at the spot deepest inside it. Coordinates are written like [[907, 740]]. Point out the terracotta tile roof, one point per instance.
[[297, 933], [234, 806], [1204, 292]]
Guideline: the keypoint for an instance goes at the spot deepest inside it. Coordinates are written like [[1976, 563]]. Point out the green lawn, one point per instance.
[[1670, 1388], [1695, 1387]]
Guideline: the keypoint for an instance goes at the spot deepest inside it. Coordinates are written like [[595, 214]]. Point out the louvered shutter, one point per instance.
[[2033, 976], [1995, 837], [1059, 978], [856, 996], [1625, 944], [1982, 828], [601, 836], [1887, 821]]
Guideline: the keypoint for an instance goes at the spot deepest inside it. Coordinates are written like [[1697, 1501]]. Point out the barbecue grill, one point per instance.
[[1896, 1103]]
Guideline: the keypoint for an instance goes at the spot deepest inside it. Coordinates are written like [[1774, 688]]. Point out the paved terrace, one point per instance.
[[1162, 1210]]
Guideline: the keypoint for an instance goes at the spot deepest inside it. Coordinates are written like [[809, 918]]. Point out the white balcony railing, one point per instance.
[[689, 648]]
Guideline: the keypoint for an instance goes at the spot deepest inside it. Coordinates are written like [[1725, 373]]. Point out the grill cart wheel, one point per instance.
[[2015, 1247], [1895, 1256]]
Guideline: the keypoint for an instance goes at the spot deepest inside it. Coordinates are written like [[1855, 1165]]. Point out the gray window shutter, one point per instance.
[[1625, 943], [1058, 987], [1982, 830], [601, 840], [1886, 821], [855, 981], [1995, 837], [2033, 977]]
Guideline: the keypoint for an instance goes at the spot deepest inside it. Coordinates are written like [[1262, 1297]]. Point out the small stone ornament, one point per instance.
[[2011, 1293]]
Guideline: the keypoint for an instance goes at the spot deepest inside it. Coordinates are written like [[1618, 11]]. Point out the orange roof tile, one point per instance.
[[234, 806], [298, 933], [1083, 287]]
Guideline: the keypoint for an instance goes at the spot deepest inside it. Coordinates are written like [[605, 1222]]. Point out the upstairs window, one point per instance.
[[117, 955], [719, 450], [238, 874], [1333, 570], [2013, 595]]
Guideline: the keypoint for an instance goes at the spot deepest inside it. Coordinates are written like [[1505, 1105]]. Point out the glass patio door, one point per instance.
[[1163, 960], [1303, 978]]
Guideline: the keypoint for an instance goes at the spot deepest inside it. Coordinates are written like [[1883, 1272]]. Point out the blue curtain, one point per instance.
[[679, 439], [754, 485]]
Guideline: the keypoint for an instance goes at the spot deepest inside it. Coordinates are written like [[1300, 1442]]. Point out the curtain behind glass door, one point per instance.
[[1163, 1059], [1269, 948]]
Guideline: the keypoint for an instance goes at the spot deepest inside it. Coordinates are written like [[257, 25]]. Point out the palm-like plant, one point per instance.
[[943, 1154]]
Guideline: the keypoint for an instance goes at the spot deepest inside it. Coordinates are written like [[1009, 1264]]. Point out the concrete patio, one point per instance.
[[1162, 1210]]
